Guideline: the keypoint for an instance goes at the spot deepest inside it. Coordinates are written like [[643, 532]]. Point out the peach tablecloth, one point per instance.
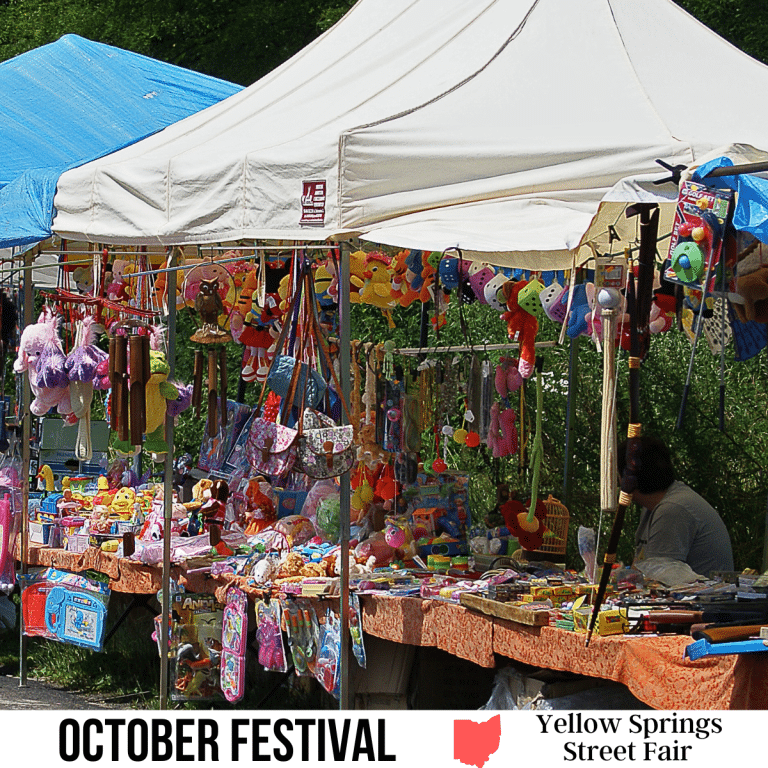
[[653, 668]]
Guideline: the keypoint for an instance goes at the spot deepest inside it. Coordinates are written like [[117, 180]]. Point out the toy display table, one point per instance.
[[654, 668]]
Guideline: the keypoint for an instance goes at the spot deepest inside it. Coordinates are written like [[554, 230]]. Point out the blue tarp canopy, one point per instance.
[[72, 101]]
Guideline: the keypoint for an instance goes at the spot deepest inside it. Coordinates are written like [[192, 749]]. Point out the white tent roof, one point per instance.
[[494, 125]]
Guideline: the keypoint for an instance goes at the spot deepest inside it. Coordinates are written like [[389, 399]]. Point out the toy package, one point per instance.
[[356, 630], [196, 646], [327, 665], [234, 633], [215, 450], [698, 233], [303, 632], [66, 607], [9, 523], [270, 637]]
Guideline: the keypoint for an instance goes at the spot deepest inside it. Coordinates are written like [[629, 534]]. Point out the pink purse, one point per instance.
[[270, 447]]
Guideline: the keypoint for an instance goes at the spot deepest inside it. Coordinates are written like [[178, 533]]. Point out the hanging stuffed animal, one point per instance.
[[508, 378], [503, 439], [41, 355], [521, 326], [82, 365]]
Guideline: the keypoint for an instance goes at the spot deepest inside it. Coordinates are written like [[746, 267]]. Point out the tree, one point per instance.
[[744, 23], [236, 40]]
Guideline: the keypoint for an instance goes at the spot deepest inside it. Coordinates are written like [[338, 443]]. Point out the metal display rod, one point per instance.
[[469, 348], [165, 621]]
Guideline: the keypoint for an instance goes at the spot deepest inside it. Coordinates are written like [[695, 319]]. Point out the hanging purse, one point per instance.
[[309, 382], [271, 447], [324, 449]]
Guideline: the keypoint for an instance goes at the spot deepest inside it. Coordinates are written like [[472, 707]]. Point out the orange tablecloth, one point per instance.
[[653, 668], [125, 575]]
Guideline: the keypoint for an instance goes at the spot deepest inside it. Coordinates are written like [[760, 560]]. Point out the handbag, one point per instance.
[[271, 447], [324, 449], [309, 382]]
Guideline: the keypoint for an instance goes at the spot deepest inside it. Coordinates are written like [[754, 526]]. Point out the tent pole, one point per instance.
[[26, 417], [168, 499], [346, 700], [570, 413], [608, 461]]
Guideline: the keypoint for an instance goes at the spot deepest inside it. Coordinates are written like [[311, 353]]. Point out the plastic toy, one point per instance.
[[75, 616], [269, 636], [234, 631]]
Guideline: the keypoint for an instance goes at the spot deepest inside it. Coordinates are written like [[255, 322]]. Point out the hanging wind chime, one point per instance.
[[209, 288]]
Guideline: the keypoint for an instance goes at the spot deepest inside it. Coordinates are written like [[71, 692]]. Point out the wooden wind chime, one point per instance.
[[129, 374], [211, 280]]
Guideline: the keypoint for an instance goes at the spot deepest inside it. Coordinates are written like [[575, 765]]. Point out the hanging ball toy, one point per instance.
[[473, 439], [699, 234], [460, 436], [393, 414], [439, 466], [608, 298]]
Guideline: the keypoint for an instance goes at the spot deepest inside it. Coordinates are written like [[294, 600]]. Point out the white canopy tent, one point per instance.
[[498, 126]]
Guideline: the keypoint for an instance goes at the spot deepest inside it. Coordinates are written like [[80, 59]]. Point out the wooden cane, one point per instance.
[[628, 478]]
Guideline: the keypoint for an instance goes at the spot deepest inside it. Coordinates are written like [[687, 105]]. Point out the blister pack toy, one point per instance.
[[355, 629], [234, 632], [327, 667], [76, 616], [7, 539], [196, 646], [698, 232], [270, 636], [303, 632]]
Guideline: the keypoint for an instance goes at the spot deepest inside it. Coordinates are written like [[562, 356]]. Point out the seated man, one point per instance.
[[676, 523]]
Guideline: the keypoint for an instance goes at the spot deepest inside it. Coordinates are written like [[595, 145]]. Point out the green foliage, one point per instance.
[[742, 22], [235, 40]]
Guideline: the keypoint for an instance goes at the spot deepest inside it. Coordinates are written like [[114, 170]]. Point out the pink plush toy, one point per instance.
[[502, 434], [521, 325], [40, 354], [508, 378]]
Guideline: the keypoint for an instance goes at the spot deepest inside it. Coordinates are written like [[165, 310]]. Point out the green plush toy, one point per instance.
[[158, 391]]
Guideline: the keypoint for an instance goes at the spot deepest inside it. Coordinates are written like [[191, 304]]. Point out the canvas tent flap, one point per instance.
[[74, 100], [495, 124], [582, 95], [242, 165]]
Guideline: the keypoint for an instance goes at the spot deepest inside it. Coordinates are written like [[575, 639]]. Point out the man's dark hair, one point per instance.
[[654, 470]]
